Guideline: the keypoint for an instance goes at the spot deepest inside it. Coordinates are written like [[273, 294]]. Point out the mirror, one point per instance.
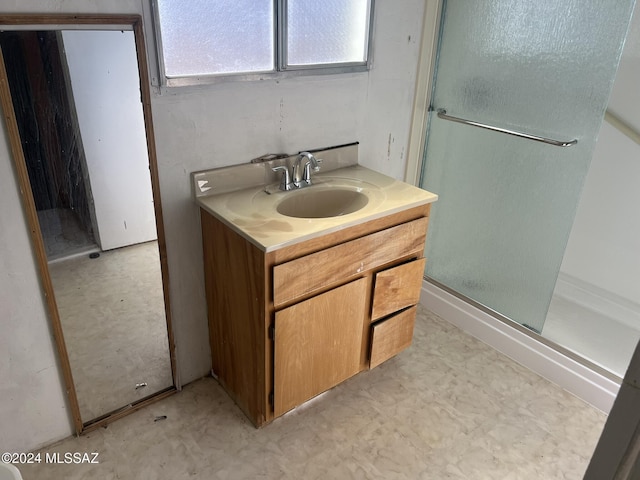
[[83, 133]]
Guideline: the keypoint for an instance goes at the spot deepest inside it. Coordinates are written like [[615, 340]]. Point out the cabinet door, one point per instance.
[[318, 344]]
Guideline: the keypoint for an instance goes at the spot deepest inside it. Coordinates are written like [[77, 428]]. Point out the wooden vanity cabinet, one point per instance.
[[287, 325]]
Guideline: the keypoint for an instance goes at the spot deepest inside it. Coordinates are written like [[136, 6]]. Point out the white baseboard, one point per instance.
[[599, 300], [590, 386]]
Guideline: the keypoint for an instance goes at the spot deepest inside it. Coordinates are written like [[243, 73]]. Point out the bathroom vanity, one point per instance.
[[298, 304]]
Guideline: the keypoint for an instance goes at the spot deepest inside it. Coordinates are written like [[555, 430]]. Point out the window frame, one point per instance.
[[281, 68]]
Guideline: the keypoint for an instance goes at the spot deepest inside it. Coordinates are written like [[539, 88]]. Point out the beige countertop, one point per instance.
[[253, 212]]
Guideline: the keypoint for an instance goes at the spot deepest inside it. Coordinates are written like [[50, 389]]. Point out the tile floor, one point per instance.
[[450, 407]]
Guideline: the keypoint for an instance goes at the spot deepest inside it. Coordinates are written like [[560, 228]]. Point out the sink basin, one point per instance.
[[319, 202], [328, 199]]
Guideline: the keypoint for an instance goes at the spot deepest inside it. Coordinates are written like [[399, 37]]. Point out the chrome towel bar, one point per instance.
[[442, 113]]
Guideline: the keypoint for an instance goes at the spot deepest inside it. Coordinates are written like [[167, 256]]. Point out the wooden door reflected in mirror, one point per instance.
[[84, 134]]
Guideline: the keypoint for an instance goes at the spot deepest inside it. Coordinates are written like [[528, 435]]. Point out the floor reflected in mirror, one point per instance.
[[112, 314], [63, 234]]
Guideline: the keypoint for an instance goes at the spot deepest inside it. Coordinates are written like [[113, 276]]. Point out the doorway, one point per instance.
[[51, 141]]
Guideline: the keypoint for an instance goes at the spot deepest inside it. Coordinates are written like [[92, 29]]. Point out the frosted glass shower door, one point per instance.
[[506, 204]]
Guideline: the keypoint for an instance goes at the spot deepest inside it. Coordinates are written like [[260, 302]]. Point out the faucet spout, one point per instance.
[[302, 169], [315, 162]]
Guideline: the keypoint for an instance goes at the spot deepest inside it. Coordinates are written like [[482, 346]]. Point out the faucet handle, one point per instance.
[[285, 181]]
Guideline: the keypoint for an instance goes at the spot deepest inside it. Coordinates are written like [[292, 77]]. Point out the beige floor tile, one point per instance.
[[449, 407]]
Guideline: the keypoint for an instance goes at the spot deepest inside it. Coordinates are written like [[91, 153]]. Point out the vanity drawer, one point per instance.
[[397, 288], [348, 260], [389, 337]]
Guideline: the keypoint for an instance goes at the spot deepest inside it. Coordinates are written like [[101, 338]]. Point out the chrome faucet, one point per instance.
[[305, 162], [301, 176]]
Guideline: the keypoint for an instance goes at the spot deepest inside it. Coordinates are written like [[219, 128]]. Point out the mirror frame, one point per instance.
[[85, 22]]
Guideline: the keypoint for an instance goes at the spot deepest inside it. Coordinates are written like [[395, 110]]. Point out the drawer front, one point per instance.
[[348, 260], [397, 288], [391, 336]]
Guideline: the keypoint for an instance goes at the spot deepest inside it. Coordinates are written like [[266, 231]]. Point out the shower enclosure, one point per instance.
[[595, 307], [520, 91]]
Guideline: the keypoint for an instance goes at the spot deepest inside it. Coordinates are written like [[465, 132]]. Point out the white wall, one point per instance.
[[31, 391], [103, 70], [202, 128], [604, 245]]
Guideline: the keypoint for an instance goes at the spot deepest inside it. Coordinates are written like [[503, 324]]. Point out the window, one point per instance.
[[207, 39], [326, 32]]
